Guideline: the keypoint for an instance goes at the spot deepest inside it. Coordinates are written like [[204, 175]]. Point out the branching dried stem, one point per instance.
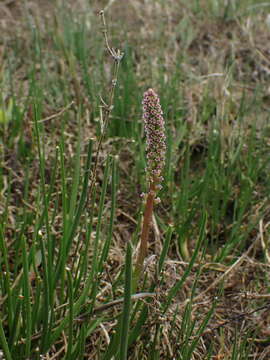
[[228, 272], [61, 112], [106, 108], [236, 318], [100, 309]]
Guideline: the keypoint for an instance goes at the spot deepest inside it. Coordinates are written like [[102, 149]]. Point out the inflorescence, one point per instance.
[[155, 137]]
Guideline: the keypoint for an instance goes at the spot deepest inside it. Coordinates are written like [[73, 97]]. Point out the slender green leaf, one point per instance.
[[127, 304]]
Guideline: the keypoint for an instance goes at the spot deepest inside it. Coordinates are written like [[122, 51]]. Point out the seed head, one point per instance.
[[155, 135]]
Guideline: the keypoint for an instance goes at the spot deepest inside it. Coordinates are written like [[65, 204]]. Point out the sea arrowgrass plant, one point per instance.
[[155, 148], [66, 287]]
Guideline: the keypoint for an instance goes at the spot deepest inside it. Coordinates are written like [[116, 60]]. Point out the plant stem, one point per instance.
[[106, 108], [145, 233]]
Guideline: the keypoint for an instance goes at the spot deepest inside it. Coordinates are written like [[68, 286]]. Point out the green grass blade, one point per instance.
[[27, 301], [165, 248], [137, 329], [6, 283], [83, 198], [94, 264], [71, 304], [15, 330], [180, 283], [4, 343], [63, 194], [47, 269], [127, 305], [107, 244], [201, 330], [75, 222], [76, 175]]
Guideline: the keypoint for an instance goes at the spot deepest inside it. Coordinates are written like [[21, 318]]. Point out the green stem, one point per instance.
[[4, 343]]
